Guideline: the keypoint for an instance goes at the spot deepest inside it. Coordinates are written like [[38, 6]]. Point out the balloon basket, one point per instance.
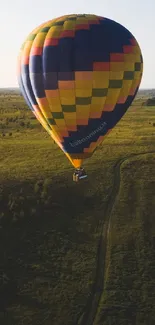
[[79, 174]]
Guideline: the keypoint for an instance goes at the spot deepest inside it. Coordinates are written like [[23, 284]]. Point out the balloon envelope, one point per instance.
[[79, 74]]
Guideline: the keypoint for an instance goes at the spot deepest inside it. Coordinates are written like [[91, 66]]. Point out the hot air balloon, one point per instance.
[[79, 74]]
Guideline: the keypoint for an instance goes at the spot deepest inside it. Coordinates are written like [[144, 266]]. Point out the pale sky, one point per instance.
[[19, 17]]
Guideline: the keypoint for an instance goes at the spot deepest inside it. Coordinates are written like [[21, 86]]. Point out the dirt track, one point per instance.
[[89, 313]]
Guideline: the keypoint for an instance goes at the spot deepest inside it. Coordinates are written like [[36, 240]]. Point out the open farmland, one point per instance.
[[76, 253]]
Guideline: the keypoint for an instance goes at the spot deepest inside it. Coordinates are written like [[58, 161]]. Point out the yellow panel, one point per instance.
[[130, 58], [112, 96], [60, 122], [54, 31], [62, 127], [83, 92], [55, 108], [116, 66], [137, 75], [70, 122], [43, 105], [116, 75], [39, 39], [81, 21], [54, 101], [27, 48], [56, 129], [135, 83], [136, 50], [98, 100], [100, 75], [125, 88], [68, 101], [67, 96], [98, 107], [137, 58], [67, 93], [129, 66], [82, 111], [69, 25], [101, 79], [83, 84], [70, 116], [56, 132]]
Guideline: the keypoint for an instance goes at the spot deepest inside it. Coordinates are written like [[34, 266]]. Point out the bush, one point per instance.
[[22, 123]]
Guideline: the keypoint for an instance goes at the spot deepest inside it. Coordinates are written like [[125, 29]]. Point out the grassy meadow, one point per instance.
[[76, 254]]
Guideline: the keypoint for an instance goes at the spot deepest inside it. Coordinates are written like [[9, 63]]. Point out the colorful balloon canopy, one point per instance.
[[79, 74]]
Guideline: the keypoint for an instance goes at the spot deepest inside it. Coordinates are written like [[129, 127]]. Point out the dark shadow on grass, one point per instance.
[[30, 243]]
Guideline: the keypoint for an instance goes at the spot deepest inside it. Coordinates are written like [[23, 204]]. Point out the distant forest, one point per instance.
[[150, 101]]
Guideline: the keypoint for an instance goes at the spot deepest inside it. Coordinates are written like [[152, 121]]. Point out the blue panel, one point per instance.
[[28, 89], [100, 45], [50, 80], [89, 134], [35, 64], [83, 60], [83, 41], [66, 54], [24, 92], [114, 117], [37, 85], [50, 59], [24, 69], [66, 76], [112, 36]]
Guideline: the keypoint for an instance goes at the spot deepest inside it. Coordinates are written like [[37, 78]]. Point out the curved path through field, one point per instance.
[[90, 311]]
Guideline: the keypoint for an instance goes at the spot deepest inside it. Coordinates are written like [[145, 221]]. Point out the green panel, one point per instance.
[[68, 108], [83, 100], [99, 92], [58, 115], [71, 18], [137, 66], [51, 121], [31, 37], [115, 83], [128, 75], [44, 29], [58, 23]]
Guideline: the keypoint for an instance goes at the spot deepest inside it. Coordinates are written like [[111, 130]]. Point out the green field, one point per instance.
[[76, 254]]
